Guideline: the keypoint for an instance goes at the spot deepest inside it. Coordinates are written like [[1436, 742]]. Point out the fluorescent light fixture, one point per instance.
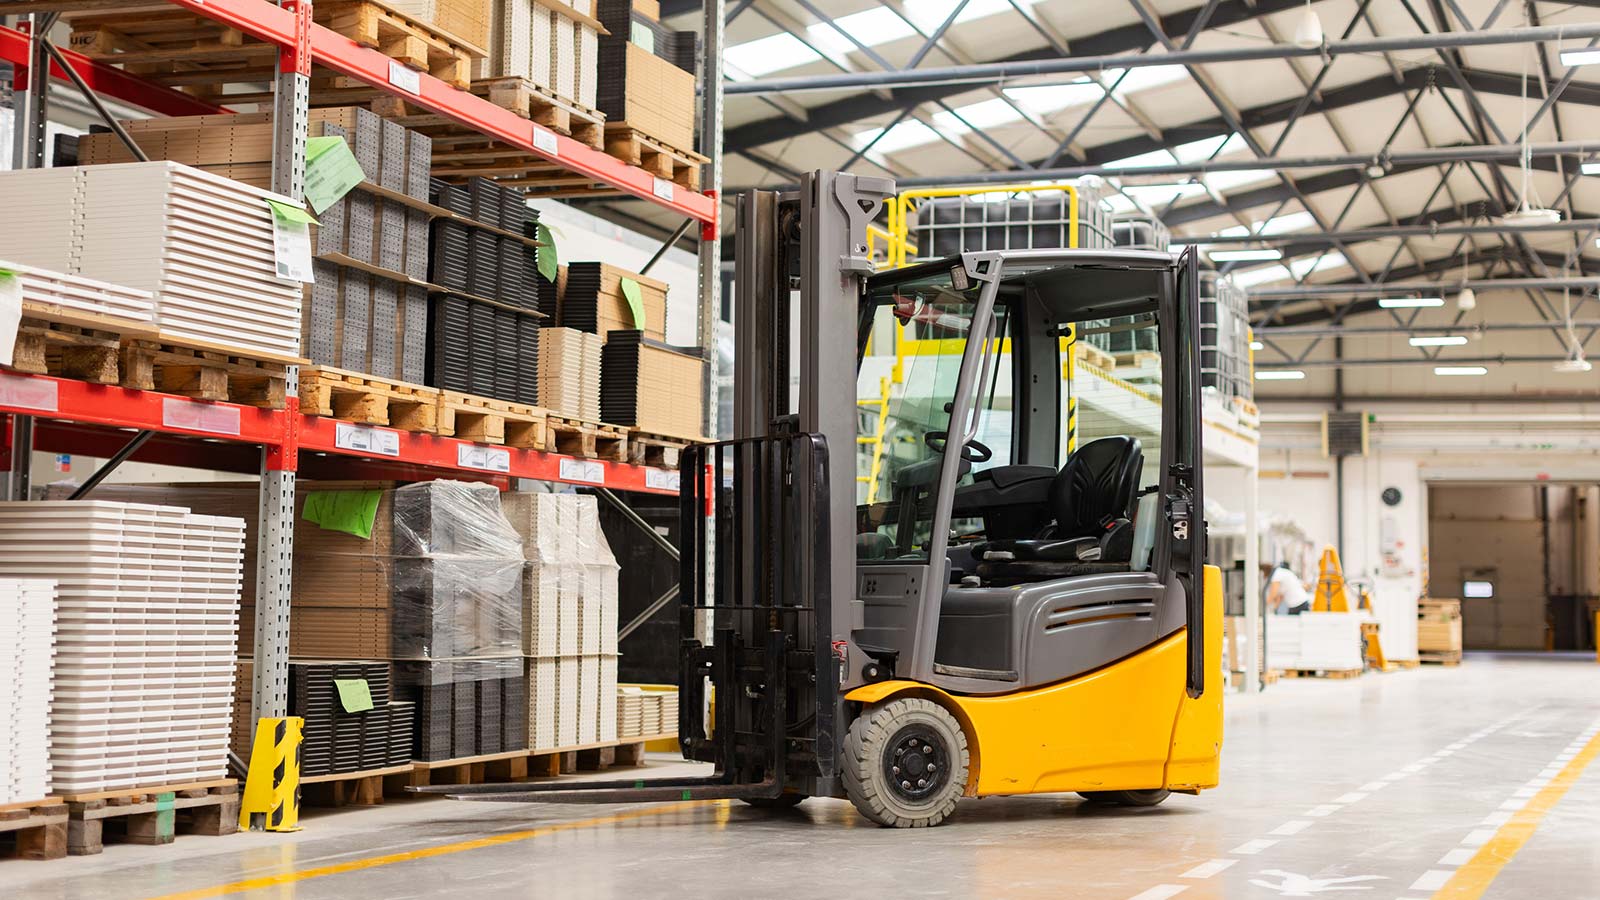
[[1460, 370], [1581, 56], [1257, 345], [1439, 340], [1249, 255], [1409, 302], [1279, 374], [1477, 590], [1591, 168]]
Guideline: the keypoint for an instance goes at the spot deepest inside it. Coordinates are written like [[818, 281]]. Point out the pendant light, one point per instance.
[[1308, 33]]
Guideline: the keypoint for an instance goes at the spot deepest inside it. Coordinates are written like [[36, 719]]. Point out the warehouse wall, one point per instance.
[[1495, 533]]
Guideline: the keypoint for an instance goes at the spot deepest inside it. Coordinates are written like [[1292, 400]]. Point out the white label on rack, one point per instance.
[[29, 393], [366, 439], [662, 480], [587, 471], [545, 141], [405, 78], [187, 414], [488, 459], [291, 250], [663, 189]]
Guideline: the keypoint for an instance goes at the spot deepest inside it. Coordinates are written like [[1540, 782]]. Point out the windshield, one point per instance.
[[913, 336]]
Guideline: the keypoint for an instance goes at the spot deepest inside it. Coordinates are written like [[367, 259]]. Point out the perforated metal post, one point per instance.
[[275, 535], [710, 250]]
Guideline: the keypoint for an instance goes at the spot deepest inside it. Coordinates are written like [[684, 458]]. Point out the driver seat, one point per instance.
[[1090, 499]]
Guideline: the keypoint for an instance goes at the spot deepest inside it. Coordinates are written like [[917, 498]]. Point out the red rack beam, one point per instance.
[[99, 404], [111, 81], [337, 52]]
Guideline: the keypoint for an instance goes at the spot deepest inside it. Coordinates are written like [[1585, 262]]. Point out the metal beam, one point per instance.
[[990, 73], [1388, 361], [1398, 288], [1392, 231], [1294, 331]]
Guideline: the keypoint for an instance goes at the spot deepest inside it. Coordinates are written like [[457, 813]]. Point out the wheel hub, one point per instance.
[[917, 764]]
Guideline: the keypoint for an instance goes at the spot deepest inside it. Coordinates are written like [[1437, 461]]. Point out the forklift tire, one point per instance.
[[782, 801], [909, 733], [1152, 797]]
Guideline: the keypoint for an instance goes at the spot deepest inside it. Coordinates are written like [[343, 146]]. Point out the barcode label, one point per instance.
[[545, 141], [663, 189], [662, 480], [192, 416], [487, 459], [405, 78], [586, 471], [29, 393], [366, 439]]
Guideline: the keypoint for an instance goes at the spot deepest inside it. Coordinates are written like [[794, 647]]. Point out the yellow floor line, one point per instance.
[[372, 862], [1473, 879]]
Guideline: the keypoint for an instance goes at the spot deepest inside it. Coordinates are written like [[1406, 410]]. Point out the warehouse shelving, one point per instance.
[[45, 413]]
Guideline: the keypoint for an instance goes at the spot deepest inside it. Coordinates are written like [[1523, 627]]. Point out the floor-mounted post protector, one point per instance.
[[275, 535], [1251, 682]]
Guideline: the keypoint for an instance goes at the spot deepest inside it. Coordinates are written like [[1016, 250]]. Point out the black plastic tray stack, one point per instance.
[[581, 298], [487, 349], [465, 707], [619, 377], [335, 742]]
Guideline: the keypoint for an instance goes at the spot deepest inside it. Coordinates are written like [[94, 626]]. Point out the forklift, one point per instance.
[[1004, 616]]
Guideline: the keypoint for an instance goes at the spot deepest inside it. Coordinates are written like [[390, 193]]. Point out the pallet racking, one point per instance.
[[65, 416]]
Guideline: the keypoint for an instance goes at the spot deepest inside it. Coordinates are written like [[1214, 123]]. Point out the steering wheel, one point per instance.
[[973, 451]]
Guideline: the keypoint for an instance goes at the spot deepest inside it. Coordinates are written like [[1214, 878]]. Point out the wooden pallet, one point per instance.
[[1139, 359], [67, 351], [34, 830], [545, 107], [1440, 659], [656, 450], [180, 49], [490, 421], [368, 399], [516, 765], [1094, 356], [204, 372], [681, 167], [589, 440], [1320, 673], [151, 815], [364, 788]]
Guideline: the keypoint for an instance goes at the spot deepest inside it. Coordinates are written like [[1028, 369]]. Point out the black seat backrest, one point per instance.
[[1099, 480]]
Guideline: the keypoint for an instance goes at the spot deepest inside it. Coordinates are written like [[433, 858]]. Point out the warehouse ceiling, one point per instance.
[[1210, 121]]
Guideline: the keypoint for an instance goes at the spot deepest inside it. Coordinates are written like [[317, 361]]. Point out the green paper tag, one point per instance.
[[7, 273], [352, 512], [641, 35], [630, 291], [548, 263], [290, 213], [355, 695], [331, 171]]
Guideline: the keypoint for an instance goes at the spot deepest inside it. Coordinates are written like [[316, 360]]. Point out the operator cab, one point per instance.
[[1042, 519]]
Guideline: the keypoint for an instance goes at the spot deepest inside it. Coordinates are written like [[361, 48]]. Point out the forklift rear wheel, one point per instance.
[[1152, 797], [905, 763], [782, 801]]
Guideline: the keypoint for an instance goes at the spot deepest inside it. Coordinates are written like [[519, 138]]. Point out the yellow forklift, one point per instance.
[[998, 613]]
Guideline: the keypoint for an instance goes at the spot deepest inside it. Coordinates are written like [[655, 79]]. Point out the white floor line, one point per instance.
[[1208, 868], [1458, 856], [1525, 792], [1251, 848], [1431, 880], [1290, 828], [1161, 892], [1478, 837], [1352, 797], [1327, 809], [1371, 786], [1496, 819], [1513, 804]]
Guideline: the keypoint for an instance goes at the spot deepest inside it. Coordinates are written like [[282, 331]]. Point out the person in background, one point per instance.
[[1286, 594]]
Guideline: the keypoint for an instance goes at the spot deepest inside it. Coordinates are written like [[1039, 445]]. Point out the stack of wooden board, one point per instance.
[[201, 243], [593, 299], [649, 386], [569, 373], [27, 661], [465, 19], [366, 311], [147, 606], [1439, 630], [570, 611]]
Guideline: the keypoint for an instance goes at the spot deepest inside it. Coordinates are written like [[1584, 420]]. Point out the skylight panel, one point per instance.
[[1153, 158], [1050, 98], [1144, 78], [878, 25], [1250, 277], [1223, 182], [1299, 221], [1307, 264], [984, 114], [909, 133], [763, 56], [928, 15]]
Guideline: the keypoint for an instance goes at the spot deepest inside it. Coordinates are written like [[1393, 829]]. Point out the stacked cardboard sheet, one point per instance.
[[466, 20], [27, 661], [201, 243], [647, 75], [146, 613], [552, 43], [570, 616], [1315, 640], [593, 300], [569, 373], [76, 294], [650, 386], [642, 712]]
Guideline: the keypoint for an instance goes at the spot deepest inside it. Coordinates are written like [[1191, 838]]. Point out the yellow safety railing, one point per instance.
[[902, 212], [876, 440]]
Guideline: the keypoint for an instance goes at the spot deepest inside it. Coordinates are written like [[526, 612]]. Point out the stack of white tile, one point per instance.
[[570, 616], [533, 39], [27, 658], [569, 372], [147, 628], [1315, 640], [201, 243], [74, 293]]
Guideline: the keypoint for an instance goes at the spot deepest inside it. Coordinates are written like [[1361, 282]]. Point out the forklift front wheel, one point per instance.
[[905, 763], [1152, 797]]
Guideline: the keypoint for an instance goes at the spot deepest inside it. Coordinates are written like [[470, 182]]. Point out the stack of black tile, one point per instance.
[[488, 349], [467, 707], [681, 48], [619, 377], [335, 741], [580, 298]]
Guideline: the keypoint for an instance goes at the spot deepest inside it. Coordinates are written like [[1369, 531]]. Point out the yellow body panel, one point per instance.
[[1128, 726]]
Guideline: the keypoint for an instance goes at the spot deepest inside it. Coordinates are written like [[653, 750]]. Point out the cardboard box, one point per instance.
[[658, 99], [465, 20]]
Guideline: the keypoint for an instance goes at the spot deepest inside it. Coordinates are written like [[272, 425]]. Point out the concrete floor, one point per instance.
[[1381, 787]]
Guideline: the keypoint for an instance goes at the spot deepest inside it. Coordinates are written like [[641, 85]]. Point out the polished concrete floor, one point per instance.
[[1465, 782]]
